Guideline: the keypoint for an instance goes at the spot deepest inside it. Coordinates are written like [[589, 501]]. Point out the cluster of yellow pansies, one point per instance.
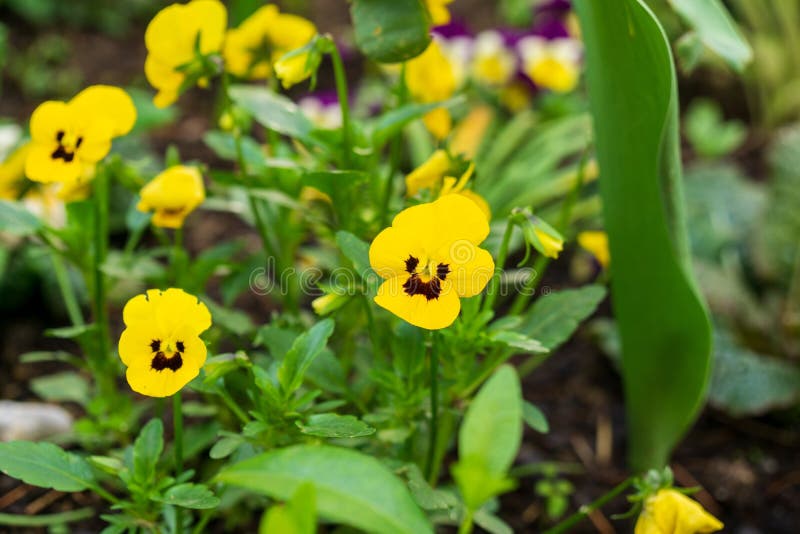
[[186, 42]]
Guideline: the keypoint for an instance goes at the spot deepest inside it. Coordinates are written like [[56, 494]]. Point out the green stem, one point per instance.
[[177, 422], [44, 520], [67, 291], [394, 151], [101, 194], [434, 423], [341, 92], [177, 257], [466, 523], [232, 406], [524, 296], [494, 285], [585, 510]]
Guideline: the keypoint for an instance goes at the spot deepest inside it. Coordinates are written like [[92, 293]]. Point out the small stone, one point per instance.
[[32, 420]]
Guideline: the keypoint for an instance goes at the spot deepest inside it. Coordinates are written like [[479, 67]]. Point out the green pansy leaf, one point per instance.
[[390, 31], [534, 418], [297, 516], [554, 317], [272, 110], [352, 488], [45, 465], [331, 425], [305, 348], [147, 450], [195, 496]]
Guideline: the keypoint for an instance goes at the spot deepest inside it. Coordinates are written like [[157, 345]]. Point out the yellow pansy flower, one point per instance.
[[429, 174], [438, 11], [429, 259], [671, 512], [172, 195], [553, 65], [492, 63], [69, 138], [430, 78], [262, 39], [177, 38], [161, 345], [596, 242]]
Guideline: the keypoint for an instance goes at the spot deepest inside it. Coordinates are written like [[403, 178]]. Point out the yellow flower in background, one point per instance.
[[172, 195], [596, 242], [262, 39], [292, 69], [470, 132], [429, 174], [492, 63], [438, 11], [671, 512], [177, 37], [429, 259], [12, 173], [516, 96], [430, 78], [69, 138], [161, 345], [553, 65]]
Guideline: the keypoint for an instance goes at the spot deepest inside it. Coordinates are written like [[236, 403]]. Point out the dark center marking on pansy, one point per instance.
[[416, 286], [61, 152], [160, 360]]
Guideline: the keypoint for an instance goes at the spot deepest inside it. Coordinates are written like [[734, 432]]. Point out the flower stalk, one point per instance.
[[584, 511], [101, 197], [177, 422], [341, 92], [430, 469]]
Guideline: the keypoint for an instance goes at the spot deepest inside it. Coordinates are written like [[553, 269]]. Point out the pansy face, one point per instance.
[[492, 64], [554, 64], [429, 259], [161, 344], [671, 512], [262, 39], [172, 195], [68, 138], [176, 38]]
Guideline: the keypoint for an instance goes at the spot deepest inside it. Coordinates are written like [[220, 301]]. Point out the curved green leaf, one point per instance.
[[352, 488], [390, 31], [45, 465], [716, 29], [665, 332]]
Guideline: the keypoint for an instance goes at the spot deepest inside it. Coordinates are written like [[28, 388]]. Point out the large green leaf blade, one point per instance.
[[45, 465], [665, 332], [351, 487]]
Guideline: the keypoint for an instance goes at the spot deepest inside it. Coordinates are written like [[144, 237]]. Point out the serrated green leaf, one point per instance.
[[274, 111], [554, 317], [147, 450], [194, 496], [352, 488], [331, 425], [45, 465], [305, 348]]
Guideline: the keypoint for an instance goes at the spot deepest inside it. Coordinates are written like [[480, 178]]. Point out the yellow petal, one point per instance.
[[430, 76], [479, 201], [390, 249], [431, 314], [597, 244], [48, 119], [471, 269], [554, 74], [552, 245], [291, 32], [438, 122], [438, 11], [12, 172], [675, 513], [108, 103], [134, 343], [145, 380], [428, 175], [176, 309], [40, 166], [450, 219], [470, 132], [172, 33]]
